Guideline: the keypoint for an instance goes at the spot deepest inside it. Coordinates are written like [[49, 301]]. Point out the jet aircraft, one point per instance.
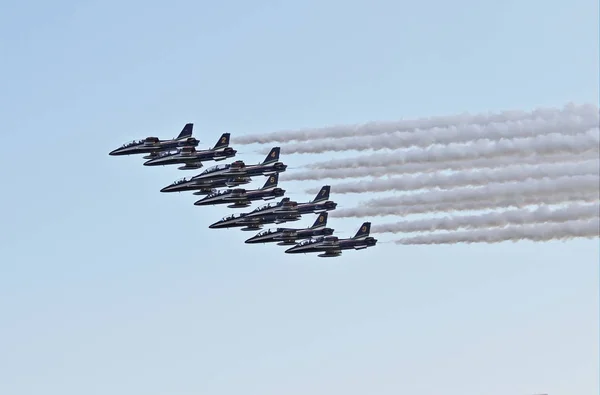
[[241, 197], [205, 187], [192, 158], [154, 146], [283, 206], [219, 176], [288, 236], [319, 204], [331, 246], [284, 211], [271, 165]]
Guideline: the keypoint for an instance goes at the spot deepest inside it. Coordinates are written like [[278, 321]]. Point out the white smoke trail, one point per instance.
[[548, 144], [493, 219], [492, 191], [569, 124], [559, 194], [537, 232], [515, 201], [472, 178], [379, 128], [411, 168]]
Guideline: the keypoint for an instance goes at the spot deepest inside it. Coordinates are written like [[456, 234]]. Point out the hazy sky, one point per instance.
[[109, 287]]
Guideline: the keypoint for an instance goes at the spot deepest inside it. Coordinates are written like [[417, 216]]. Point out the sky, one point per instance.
[[108, 286]]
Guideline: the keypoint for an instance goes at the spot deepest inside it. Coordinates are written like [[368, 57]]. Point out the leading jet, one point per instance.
[[271, 165], [331, 246], [192, 158], [288, 236], [154, 146], [241, 197], [284, 211]]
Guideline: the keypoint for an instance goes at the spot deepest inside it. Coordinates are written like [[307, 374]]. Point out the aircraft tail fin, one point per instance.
[[186, 131], [321, 221], [271, 182], [223, 142], [363, 232], [323, 194], [273, 156]]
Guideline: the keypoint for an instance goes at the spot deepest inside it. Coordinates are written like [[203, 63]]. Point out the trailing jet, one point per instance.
[[284, 211], [331, 246], [192, 158], [271, 165], [241, 197], [319, 204], [288, 236], [154, 146]]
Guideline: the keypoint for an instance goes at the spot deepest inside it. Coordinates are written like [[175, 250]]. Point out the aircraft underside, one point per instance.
[[330, 254], [191, 166]]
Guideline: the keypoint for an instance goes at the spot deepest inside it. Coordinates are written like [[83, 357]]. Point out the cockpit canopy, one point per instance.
[[265, 232], [180, 181], [232, 216], [308, 241], [132, 143], [215, 168], [165, 153], [264, 207], [217, 193]]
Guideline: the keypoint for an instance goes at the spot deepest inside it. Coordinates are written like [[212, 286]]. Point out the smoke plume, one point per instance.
[[380, 128], [513, 201], [541, 214], [516, 172], [566, 125], [548, 144], [519, 194], [535, 232], [411, 168]]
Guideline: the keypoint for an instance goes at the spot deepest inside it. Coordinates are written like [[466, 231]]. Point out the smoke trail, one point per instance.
[[538, 232], [492, 191], [379, 128], [473, 178], [494, 219], [561, 194], [411, 168], [568, 124], [516, 201], [548, 144]]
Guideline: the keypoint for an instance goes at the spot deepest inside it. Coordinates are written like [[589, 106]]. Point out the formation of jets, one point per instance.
[[183, 151]]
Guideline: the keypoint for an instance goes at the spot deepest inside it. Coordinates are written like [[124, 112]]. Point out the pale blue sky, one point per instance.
[[109, 287]]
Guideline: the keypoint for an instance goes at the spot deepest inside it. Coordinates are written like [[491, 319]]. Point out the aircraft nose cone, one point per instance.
[[214, 226], [250, 241], [291, 250], [167, 188], [115, 152]]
